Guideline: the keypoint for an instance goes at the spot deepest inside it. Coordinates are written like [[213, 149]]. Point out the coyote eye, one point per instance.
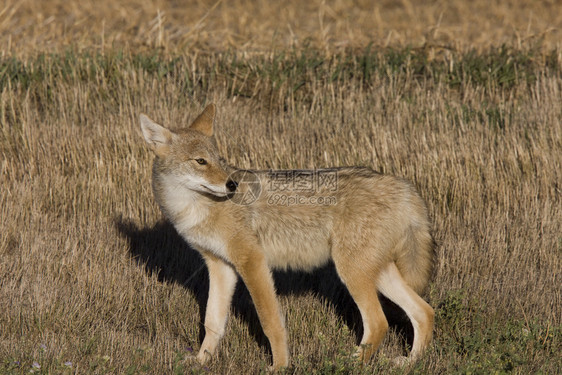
[[201, 161]]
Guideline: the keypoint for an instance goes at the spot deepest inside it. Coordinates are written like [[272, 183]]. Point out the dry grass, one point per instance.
[[192, 26], [90, 274]]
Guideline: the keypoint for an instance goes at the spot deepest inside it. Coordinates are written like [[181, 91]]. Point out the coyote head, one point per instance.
[[189, 157]]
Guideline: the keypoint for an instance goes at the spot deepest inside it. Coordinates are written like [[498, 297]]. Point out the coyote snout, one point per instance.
[[377, 233]]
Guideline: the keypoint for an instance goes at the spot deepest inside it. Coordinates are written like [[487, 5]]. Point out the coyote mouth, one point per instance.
[[214, 192]]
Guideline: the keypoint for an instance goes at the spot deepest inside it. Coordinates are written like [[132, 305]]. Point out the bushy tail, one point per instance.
[[416, 259]]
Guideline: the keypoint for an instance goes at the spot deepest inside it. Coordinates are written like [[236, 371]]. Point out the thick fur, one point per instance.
[[375, 229]]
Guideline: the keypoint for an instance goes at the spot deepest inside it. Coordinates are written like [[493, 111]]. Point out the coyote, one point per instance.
[[373, 227]]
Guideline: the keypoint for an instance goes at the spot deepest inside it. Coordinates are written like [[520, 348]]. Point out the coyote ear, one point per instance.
[[158, 137], [204, 122]]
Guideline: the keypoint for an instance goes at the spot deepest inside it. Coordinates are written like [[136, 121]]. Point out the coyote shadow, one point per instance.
[[164, 253]]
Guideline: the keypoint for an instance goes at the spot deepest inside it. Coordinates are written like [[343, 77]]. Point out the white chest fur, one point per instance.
[[187, 211]]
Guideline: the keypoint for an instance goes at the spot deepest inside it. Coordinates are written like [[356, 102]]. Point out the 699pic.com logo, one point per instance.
[[248, 189], [286, 187]]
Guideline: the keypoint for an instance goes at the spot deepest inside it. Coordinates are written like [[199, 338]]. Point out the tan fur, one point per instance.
[[376, 231]]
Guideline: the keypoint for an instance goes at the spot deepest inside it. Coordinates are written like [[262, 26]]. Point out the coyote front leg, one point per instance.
[[252, 267], [222, 281]]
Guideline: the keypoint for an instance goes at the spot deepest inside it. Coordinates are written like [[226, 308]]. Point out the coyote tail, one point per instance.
[[417, 258]]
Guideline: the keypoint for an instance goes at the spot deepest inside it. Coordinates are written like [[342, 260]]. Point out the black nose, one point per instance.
[[231, 185]]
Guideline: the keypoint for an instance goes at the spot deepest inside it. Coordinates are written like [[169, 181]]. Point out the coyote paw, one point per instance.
[[201, 358], [401, 361], [362, 353], [275, 370], [197, 361], [204, 356]]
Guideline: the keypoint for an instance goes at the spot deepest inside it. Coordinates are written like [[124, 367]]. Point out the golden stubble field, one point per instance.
[[27, 26], [92, 280]]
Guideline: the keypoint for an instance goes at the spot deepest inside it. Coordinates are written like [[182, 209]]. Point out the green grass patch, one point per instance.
[[477, 343], [291, 71]]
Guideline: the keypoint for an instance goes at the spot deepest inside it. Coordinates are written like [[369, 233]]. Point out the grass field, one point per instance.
[[462, 98]]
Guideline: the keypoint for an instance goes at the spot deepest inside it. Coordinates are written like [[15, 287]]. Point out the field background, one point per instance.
[[464, 98]]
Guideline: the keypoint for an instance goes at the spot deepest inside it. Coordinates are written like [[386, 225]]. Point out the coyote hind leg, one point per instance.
[[394, 287], [361, 286]]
